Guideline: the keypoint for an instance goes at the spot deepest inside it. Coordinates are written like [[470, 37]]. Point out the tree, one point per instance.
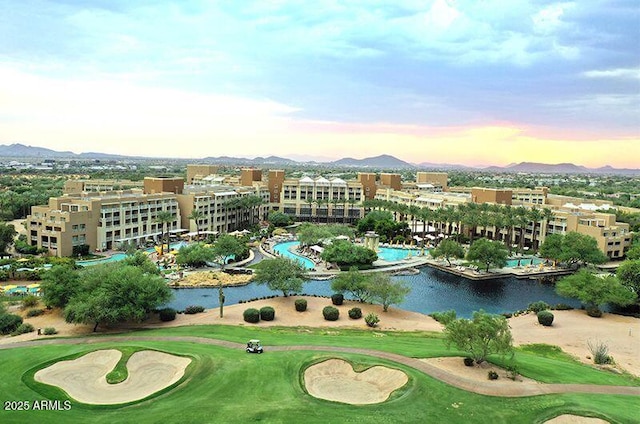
[[195, 255], [449, 249], [368, 223], [195, 216], [225, 248], [7, 234], [551, 248], [112, 293], [347, 254], [489, 253], [59, 284], [578, 247], [279, 219], [384, 290], [163, 218], [142, 261], [629, 275], [281, 274], [481, 336], [353, 282], [595, 291]]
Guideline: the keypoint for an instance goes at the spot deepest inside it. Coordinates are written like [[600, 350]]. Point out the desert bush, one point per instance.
[[193, 309], [35, 312], [599, 352], [562, 307], [29, 302], [594, 312], [301, 305], [267, 313], [337, 298], [545, 318], [444, 317], [251, 315], [513, 372], [468, 361], [25, 327], [492, 375], [167, 314], [372, 320], [9, 323], [49, 331], [355, 313], [538, 306], [330, 313]]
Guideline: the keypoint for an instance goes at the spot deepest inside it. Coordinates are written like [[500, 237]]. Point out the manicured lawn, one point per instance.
[[229, 386]]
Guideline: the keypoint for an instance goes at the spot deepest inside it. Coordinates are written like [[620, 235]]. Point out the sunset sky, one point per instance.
[[475, 82]]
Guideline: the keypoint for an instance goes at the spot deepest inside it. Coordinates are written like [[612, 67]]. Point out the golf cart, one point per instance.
[[254, 346]]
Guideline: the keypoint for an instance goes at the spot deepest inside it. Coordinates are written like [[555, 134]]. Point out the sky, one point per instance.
[[473, 82]]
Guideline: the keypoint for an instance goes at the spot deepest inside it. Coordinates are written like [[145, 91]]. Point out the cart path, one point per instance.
[[489, 388]]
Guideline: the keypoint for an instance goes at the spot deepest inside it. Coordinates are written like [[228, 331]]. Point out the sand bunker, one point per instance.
[[84, 378], [335, 380], [575, 419]]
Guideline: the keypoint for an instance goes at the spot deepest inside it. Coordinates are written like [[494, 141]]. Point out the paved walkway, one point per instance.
[[490, 388]]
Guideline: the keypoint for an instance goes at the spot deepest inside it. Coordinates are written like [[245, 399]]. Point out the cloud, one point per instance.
[[621, 73]]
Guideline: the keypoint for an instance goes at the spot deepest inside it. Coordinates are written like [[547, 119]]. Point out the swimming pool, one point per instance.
[[531, 260], [120, 256], [392, 254], [283, 250]]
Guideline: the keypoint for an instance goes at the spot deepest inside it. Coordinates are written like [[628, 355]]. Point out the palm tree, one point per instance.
[[521, 221], [163, 218], [196, 215], [309, 200], [352, 202], [547, 216], [535, 215], [414, 211]]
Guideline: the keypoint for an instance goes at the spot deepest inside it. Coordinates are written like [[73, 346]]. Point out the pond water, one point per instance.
[[431, 291]]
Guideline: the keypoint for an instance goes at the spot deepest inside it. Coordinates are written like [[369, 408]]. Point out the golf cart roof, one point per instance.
[[254, 341]]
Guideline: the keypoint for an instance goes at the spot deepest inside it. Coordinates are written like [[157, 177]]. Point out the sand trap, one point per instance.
[[335, 380], [84, 378], [575, 419]]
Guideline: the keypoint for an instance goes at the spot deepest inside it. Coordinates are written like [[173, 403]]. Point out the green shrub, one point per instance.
[[29, 302], [330, 313], [355, 313], [193, 309], [267, 313], [25, 327], [167, 314], [372, 320], [337, 298], [545, 318], [49, 331], [35, 312], [492, 375], [599, 352], [562, 307], [9, 323], [468, 361], [594, 312], [538, 306], [301, 305], [444, 317], [251, 315]]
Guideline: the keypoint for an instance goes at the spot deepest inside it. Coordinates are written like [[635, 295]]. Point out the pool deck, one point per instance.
[[415, 262]]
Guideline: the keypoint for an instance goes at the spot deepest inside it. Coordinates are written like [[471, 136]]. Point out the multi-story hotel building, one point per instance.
[[104, 219]]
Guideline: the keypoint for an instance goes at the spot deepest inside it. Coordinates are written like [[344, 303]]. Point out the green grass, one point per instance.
[[120, 373], [229, 386]]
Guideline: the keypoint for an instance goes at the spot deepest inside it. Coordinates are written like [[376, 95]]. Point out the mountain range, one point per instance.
[[388, 162]]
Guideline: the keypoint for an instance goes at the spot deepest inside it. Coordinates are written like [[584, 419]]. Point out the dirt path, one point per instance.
[[490, 388]]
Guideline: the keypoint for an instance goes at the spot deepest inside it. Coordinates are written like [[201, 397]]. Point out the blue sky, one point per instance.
[[474, 82]]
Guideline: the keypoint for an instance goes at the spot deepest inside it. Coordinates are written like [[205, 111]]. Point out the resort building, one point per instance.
[[100, 214], [101, 220]]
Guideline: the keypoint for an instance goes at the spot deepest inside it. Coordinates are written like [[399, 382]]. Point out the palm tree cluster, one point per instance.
[[497, 222]]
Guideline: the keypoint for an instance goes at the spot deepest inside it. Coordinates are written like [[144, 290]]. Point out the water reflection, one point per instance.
[[431, 291]]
